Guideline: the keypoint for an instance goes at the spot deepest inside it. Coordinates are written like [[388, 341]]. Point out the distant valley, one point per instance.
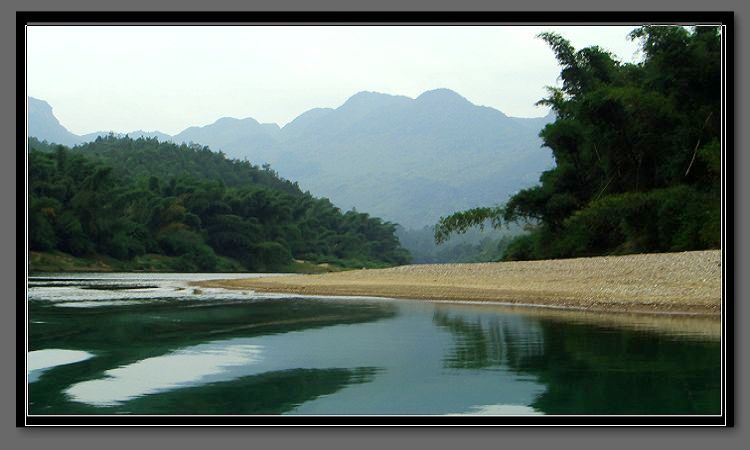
[[406, 160]]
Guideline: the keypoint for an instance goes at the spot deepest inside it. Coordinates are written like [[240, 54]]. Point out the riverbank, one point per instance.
[[676, 283], [57, 261]]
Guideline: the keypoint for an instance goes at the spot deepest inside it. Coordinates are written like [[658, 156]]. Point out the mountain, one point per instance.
[[407, 160], [44, 125], [413, 160], [238, 138]]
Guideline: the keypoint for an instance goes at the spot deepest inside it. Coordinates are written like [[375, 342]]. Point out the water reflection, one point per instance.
[[41, 360], [501, 410], [489, 340], [275, 392], [146, 349], [593, 369], [245, 354], [186, 367]]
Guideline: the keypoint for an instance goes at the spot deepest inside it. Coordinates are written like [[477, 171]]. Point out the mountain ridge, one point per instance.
[[35, 104], [42, 121], [408, 160]]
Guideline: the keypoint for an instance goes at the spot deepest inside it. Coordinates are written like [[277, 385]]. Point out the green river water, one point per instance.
[[151, 344]]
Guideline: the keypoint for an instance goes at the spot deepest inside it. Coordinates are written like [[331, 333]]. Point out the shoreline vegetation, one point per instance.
[[637, 150], [666, 283], [141, 204], [56, 261]]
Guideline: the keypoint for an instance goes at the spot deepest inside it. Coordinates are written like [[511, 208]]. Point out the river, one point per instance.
[[152, 344]]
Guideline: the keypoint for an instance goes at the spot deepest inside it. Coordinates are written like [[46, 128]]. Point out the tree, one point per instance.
[[629, 140], [122, 198]]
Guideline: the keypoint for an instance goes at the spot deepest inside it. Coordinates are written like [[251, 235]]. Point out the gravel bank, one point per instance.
[[687, 282]]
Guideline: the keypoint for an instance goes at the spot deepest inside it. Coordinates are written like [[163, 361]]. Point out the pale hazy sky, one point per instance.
[[125, 78]]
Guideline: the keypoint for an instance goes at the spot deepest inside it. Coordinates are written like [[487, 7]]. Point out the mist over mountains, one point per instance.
[[406, 160]]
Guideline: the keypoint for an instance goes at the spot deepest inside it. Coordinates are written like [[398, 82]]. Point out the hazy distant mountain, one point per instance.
[[406, 160], [413, 160], [238, 138], [45, 126]]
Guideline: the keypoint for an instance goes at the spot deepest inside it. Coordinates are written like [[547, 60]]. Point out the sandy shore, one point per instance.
[[687, 282]]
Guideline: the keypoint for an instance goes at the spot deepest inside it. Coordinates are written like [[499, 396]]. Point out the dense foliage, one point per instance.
[[637, 152], [124, 198]]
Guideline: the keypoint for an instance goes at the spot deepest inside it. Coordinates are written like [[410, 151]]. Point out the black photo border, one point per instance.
[[64, 18]]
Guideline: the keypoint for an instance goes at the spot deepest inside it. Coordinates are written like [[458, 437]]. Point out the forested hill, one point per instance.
[[147, 157], [139, 200]]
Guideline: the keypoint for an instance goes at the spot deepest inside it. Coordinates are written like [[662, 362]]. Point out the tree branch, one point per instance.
[[697, 144]]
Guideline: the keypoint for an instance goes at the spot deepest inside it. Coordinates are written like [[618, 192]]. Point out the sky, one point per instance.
[[167, 78]]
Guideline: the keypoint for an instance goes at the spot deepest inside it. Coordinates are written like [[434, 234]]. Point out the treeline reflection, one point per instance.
[[590, 369]]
